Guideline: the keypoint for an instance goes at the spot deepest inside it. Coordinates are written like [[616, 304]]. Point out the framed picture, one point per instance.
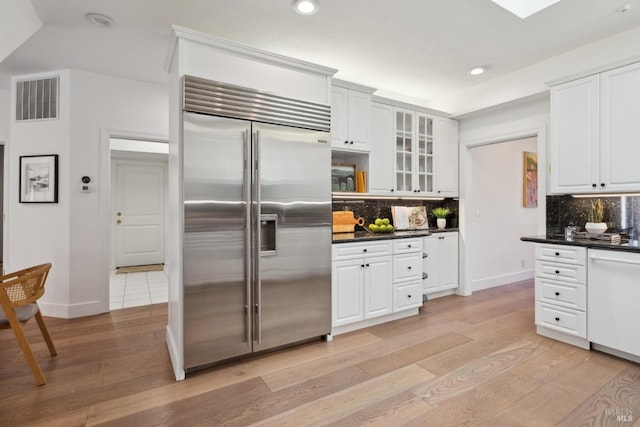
[[343, 177], [39, 179], [529, 180]]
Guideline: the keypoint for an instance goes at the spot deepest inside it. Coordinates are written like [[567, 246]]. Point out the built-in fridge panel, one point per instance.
[[293, 294], [216, 236]]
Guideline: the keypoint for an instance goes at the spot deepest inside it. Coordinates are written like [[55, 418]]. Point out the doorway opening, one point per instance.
[[2, 183], [137, 222]]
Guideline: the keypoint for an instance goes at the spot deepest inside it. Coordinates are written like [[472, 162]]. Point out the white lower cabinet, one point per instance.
[[560, 293], [440, 262], [371, 280]]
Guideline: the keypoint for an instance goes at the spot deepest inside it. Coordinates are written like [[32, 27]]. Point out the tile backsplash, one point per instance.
[[622, 214], [381, 208]]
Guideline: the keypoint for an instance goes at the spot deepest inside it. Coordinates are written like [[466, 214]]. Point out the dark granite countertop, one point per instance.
[[365, 236], [557, 239]]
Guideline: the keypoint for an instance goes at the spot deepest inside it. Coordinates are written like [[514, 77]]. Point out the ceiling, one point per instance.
[[413, 50]]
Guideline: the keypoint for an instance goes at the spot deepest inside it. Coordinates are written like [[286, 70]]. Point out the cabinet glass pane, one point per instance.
[[421, 125], [399, 162], [399, 143], [399, 121], [429, 127], [429, 148], [407, 122], [407, 143], [407, 162]]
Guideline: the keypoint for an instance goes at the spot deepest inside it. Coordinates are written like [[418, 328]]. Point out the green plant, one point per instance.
[[597, 211], [441, 212]]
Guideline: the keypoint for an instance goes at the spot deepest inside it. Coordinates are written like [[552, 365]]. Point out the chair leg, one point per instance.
[[45, 333], [26, 348]]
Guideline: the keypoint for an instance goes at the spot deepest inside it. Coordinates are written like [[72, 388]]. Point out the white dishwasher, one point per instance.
[[613, 302]]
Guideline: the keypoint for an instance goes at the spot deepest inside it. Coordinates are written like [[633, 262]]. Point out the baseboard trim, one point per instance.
[[174, 355], [566, 338], [503, 279], [337, 330], [70, 311]]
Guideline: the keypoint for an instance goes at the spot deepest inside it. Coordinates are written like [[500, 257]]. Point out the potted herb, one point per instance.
[[441, 215], [596, 214]]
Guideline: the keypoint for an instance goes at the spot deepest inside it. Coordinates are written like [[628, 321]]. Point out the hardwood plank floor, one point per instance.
[[462, 361]]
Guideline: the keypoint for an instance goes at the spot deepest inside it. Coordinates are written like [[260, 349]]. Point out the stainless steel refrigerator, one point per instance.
[[257, 228]]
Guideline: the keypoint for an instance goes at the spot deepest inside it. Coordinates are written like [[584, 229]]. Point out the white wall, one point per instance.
[[69, 233], [5, 116], [18, 22], [497, 219], [521, 119]]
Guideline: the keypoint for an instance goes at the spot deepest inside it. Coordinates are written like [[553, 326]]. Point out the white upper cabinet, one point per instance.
[[350, 119], [382, 151], [594, 128], [426, 154], [446, 156], [620, 128]]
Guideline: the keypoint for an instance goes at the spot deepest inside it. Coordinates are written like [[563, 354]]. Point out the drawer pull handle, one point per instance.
[[557, 253], [364, 250], [557, 294], [362, 265], [425, 256], [557, 271], [409, 246], [557, 319], [366, 265], [409, 296], [409, 268]]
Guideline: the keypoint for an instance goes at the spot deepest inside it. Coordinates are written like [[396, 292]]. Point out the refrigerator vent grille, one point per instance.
[[221, 99]]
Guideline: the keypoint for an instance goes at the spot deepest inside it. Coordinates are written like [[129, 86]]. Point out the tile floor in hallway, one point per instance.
[[134, 289]]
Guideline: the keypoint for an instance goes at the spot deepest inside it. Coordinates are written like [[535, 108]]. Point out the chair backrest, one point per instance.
[[25, 286]]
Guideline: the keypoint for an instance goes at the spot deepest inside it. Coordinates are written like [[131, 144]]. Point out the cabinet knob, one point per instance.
[[594, 185], [364, 250], [409, 268], [425, 255], [557, 253], [557, 271], [409, 296], [557, 319], [346, 142], [351, 142], [409, 246], [557, 294], [392, 190], [362, 265], [602, 184], [366, 265]]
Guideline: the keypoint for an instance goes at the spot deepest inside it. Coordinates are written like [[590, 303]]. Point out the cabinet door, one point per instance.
[[382, 154], [574, 136], [446, 157], [404, 151], [423, 152], [339, 118], [620, 127], [359, 120], [430, 264], [448, 260], [378, 289], [347, 291]]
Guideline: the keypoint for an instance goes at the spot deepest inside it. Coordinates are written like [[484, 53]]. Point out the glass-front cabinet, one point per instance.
[[414, 152]]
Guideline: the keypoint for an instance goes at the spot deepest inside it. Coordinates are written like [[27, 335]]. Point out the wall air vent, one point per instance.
[[37, 99]]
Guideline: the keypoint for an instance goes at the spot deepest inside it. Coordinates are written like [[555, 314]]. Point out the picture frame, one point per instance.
[[343, 177], [529, 179], [39, 179]]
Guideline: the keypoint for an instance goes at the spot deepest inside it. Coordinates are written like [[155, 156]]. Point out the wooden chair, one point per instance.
[[19, 292]]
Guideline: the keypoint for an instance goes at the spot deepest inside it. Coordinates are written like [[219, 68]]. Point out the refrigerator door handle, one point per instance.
[[256, 230], [247, 236]]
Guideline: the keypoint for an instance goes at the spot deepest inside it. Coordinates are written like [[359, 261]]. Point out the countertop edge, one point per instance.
[[583, 243], [365, 236]]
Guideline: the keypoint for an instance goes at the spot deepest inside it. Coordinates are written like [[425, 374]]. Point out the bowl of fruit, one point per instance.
[[381, 225]]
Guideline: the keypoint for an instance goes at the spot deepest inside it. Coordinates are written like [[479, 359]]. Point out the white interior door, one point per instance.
[[138, 212]]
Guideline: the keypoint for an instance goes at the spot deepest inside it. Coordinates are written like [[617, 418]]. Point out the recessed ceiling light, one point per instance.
[[476, 71], [525, 8], [99, 20], [306, 7], [625, 8]]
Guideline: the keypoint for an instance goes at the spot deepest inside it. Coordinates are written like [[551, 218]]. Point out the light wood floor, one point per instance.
[[462, 361]]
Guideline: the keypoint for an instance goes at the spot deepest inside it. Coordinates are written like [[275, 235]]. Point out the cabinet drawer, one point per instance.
[[340, 251], [561, 293], [564, 272], [407, 296], [562, 319], [560, 253], [402, 246], [407, 267]]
